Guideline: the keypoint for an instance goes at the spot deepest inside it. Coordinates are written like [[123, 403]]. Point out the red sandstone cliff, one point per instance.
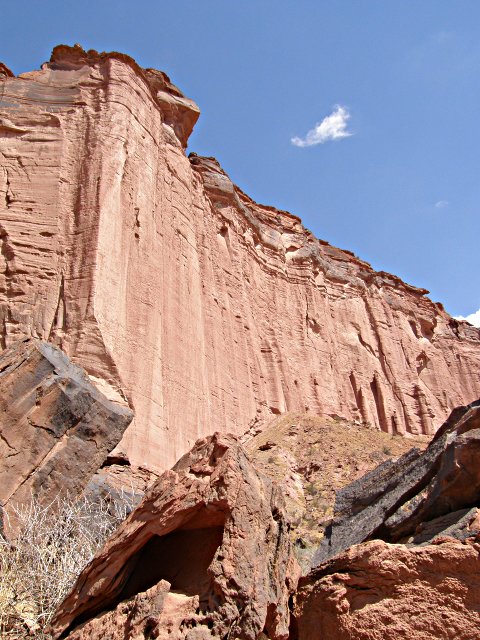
[[177, 291]]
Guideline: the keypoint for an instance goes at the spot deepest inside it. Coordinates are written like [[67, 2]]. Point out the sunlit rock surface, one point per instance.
[[382, 591], [175, 290], [206, 554]]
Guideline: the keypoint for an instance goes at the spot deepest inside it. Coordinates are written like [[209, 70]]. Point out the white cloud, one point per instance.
[[473, 318], [333, 127], [441, 204]]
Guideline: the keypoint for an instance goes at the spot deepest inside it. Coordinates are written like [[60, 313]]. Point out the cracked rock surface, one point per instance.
[[56, 428], [382, 591], [207, 553]]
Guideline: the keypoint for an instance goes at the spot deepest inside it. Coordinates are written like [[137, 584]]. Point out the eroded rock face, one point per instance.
[[116, 244], [56, 428], [206, 553], [382, 591], [399, 498]]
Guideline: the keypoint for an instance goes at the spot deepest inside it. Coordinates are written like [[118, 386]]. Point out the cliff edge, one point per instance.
[[174, 290]]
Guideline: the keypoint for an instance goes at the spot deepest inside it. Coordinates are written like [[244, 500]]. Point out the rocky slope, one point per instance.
[[401, 559], [311, 458], [175, 290], [397, 498]]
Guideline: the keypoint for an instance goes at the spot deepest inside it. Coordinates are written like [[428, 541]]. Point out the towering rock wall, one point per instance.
[[177, 291]]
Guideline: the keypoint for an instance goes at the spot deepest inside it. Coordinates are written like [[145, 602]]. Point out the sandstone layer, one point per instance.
[[56, 428], [399, 497], [382, 591], [174, 289], [206, 554]]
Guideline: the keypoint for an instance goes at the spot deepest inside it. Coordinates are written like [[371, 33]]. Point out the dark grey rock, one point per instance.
[[56, 427], [456, 524], [391, 501]]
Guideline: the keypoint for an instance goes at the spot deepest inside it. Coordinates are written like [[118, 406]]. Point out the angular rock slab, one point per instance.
[[382, 591], [206, 553], [56, 428], [395, 499]]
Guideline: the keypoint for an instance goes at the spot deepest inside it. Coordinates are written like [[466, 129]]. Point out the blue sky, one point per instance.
[[402, 190]]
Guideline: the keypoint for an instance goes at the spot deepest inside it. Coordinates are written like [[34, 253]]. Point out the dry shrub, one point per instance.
[[46, 548]]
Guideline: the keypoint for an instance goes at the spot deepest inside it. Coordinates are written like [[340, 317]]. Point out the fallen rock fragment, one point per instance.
[[56, 428], [397, 498], [382, 591], [206, 553], [120, 481]]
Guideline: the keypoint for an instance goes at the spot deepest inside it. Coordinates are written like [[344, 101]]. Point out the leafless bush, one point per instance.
[[46, 548]]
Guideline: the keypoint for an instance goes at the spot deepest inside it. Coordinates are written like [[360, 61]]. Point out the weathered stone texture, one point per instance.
[[160, 277], [206, 553], [395, 499], [56, 428], [424, 586], [381, 591]]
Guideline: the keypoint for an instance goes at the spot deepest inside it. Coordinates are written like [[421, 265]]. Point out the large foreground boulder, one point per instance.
[[206, 553], [382, 591], [416, 572], [56, 428], [397, 499]]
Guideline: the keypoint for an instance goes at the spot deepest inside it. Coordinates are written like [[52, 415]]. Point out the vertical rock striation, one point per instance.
[[170, 285]]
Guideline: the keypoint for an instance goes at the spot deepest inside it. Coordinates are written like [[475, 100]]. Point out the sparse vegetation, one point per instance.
[[45, 549], [314, 457], [311, 489], [377, 457]]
